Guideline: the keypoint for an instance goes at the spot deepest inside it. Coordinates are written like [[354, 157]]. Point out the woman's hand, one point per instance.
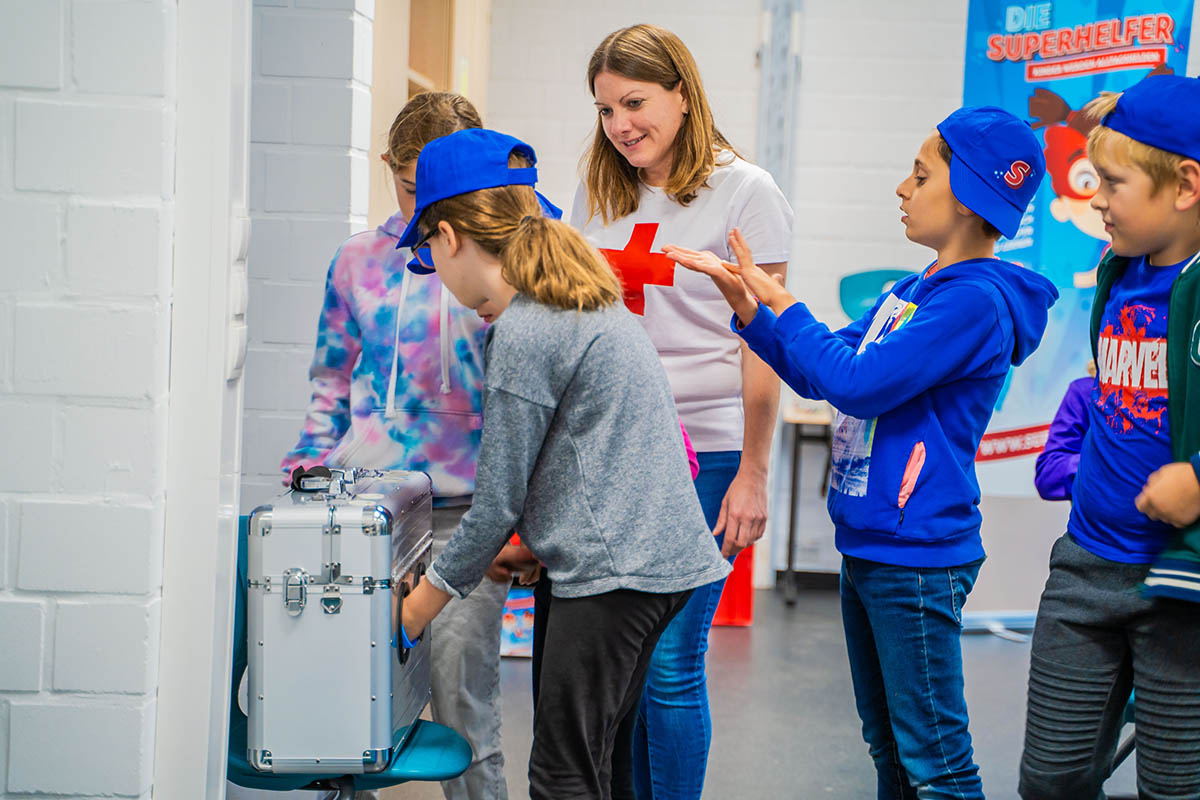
[[743, 516], [723, 274]]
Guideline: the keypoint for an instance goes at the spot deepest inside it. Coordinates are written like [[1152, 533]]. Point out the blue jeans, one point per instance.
[[674, 728], [903, 627]]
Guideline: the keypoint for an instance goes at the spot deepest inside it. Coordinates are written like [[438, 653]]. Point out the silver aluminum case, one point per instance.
[[327, 691]]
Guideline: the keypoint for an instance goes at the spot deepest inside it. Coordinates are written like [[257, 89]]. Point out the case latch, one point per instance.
[[331, 600], [295, 589]]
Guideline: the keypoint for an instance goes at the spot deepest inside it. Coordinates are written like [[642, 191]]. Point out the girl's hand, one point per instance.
[[766, 287], [723, 274], [530, 576], [412, 622], [420, 607], [512, 560]]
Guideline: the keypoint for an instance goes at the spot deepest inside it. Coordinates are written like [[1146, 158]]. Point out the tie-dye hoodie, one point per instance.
[[423, 415]]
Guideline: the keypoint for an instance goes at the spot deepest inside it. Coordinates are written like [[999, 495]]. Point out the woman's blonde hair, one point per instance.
[[428, 116], [1162, 166], [650, 54], [542, 258]]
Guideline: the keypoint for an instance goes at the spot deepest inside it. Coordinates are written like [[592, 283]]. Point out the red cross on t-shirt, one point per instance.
[[636, 266]]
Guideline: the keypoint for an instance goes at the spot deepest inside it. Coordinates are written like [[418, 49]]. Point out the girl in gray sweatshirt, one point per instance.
[[581, 451]]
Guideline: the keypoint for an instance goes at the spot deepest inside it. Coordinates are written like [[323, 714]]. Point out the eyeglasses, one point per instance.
[[421, 249]]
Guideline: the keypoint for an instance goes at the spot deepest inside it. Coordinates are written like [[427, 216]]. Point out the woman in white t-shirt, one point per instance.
[[659, 172]]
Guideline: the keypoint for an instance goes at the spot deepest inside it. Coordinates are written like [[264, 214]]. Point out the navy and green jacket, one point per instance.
[[1176, 572]]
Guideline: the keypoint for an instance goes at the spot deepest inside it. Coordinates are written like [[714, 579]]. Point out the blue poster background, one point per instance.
[[1054, 238]]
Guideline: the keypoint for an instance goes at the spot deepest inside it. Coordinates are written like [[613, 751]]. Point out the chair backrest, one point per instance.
[[858, 291]]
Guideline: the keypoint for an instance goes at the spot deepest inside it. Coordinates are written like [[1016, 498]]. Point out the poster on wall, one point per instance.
[[1044, 62]]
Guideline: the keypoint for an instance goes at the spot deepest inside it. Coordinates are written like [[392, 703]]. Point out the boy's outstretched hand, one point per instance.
[[743, 284], [1171, 495]]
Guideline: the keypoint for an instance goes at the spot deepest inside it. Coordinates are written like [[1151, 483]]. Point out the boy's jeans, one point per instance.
[[903, 626]]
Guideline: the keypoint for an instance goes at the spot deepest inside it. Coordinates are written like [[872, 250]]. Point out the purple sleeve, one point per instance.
[[1054, 473]]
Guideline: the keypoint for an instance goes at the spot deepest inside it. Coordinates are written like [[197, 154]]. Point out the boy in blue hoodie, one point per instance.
[[915, 381]]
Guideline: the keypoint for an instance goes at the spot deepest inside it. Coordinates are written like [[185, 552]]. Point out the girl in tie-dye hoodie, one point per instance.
[[397, 383], [398, 370], [397, 373]]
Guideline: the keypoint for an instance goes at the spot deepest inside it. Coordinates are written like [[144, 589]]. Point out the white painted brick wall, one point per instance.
[[31, 52], [133, 59], [114, 250], [111, 747], [113, 647], [89, 547], [285, 313], [6, 335], [87, 98], [33, 231], [4, 559], [110, 351], [331, 115], [112, 451], [21, 659], [94, 148], [28, 428], [310, 109], [319, 183]]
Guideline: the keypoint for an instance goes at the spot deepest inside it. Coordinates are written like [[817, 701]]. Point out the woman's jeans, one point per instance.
[[673, 730], [903, 627]]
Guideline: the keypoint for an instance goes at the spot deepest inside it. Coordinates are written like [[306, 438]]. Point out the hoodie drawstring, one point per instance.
[[390, 412], [444, 337]]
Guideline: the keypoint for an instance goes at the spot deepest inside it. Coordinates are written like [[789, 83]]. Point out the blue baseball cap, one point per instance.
[[1162, 111], [467, 161], [996, 166]]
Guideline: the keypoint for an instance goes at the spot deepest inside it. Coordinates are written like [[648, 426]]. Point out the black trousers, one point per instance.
[[621, 786], [590, 660]]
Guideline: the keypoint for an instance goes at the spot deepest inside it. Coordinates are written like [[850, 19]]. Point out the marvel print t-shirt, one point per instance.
[[1129, 435], [684, 314]]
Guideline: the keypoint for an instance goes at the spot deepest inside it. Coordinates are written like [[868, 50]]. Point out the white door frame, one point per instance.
[[205, 398]]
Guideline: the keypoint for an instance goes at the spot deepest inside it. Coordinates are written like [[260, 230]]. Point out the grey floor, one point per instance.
[[784, 724]]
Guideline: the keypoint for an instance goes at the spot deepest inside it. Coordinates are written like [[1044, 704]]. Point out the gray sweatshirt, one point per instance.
[[582, 455]]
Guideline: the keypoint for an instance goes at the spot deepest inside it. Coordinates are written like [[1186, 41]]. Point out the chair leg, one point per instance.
[[1123, 751], [339, 788]]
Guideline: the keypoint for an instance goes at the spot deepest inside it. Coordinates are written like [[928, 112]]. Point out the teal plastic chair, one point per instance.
[[859, 291], [431, 752]]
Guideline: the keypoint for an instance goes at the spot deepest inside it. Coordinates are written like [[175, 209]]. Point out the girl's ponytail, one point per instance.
[[552, 263]]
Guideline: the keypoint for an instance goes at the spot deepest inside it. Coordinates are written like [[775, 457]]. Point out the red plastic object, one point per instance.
[[736, 607]]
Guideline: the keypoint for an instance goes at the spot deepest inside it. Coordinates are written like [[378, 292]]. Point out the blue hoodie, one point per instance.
[[914, 381]]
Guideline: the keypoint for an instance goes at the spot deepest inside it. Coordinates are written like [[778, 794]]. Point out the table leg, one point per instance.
[[790, 590]]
